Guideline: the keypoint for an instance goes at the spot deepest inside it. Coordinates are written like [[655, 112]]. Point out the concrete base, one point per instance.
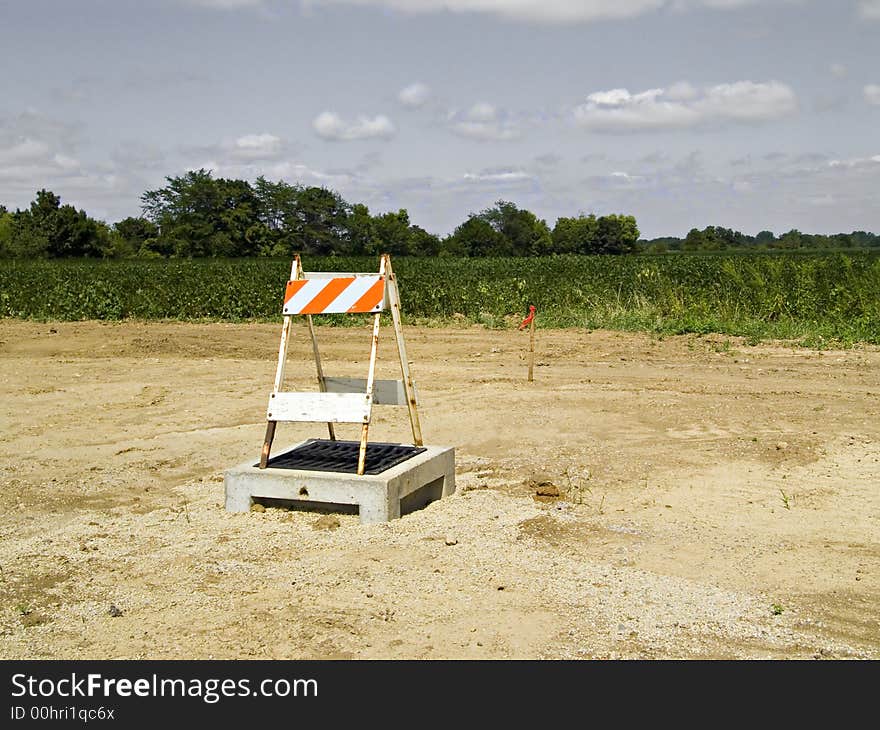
[[404, 488]]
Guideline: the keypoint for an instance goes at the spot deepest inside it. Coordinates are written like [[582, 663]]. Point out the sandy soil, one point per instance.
[[717, 500]]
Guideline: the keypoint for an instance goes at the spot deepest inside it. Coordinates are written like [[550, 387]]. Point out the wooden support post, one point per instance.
[[532, 350], [279, 371], [406, 376], [371, 374], [322, 386], [267, 443]]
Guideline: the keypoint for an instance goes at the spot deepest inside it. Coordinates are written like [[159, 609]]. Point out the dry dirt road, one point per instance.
[[718, 500]]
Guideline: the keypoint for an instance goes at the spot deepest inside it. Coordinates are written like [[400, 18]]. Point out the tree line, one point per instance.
[[717, 238], [198, 215]]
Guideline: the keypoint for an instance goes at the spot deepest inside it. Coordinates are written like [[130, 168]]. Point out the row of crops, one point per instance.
[[813, 298]]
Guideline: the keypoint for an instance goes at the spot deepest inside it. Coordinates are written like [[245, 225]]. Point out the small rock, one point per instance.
[[451, 541], [113, 611], [781, 446], [327, 522], [256, 507]]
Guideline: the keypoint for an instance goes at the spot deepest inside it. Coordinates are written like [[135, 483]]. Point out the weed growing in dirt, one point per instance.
[[786, 502], [577, 490]]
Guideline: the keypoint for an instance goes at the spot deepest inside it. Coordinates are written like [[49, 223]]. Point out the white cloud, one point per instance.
[[238, 150], [497, 176], [484, 122], [289, 170], [414, 95], [870, 9], [855, 162], [838, 70], [330, 126], [681, 106], [35, 126], [625, 177], [546, 11], [872, 94], [257, 146], [25, 150], [35, 151], [682, 91]]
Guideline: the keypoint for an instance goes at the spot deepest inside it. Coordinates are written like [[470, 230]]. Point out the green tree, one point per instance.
[[575, 235], [361, 231], [318, 221], [131, 235], [20, 237], [423, 243], [765, 239], [616, 234], [693, 241], [392, 233], [200, 216], [791, 240], [474, 237], [521, 232], [68, 231]]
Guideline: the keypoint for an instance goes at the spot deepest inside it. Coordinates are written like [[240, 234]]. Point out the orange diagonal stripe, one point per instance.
[[331, 290], [292, 288], [370, 298]]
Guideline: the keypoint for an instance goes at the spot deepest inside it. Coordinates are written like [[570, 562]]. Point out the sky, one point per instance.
[[749, 114]]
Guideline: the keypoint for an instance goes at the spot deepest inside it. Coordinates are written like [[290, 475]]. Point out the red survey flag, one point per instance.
[[528, 320]]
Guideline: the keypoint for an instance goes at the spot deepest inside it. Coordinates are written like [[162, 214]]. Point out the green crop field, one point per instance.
[[815, 299]]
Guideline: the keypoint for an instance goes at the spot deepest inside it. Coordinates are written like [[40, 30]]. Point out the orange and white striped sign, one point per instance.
[[338, 295]]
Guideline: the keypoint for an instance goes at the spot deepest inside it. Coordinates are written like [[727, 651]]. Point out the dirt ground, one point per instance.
[[717, 500]]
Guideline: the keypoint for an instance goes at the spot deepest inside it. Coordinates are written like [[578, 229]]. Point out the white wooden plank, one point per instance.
[[385, 392], [319, 407]]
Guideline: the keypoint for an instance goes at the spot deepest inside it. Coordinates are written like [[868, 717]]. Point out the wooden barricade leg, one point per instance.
[[371, 373], [406, 376], [322, 386], [267, 443], [279, 373]]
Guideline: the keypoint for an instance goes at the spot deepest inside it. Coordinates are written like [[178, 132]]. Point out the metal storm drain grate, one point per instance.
[[342, 456]]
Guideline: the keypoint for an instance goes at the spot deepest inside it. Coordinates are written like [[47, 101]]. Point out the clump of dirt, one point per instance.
[[543, 488], [327, 522]]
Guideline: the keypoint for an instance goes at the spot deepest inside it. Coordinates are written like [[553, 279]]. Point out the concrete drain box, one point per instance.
[[397, 479]]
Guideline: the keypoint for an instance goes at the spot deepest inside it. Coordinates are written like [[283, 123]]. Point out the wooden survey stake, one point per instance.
[[532, 350], [530, 322]]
